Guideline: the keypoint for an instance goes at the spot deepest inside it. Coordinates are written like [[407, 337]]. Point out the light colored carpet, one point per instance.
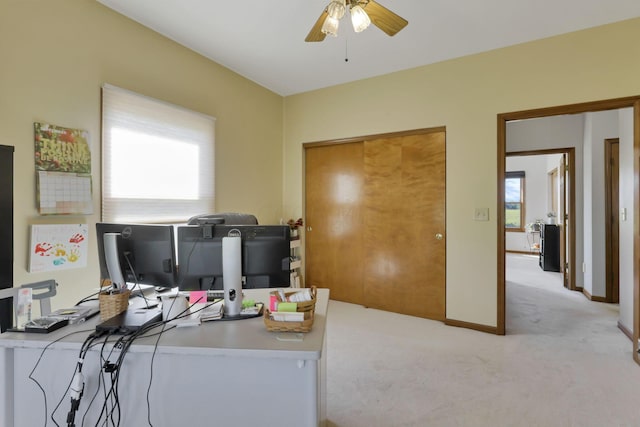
[[563, 362]]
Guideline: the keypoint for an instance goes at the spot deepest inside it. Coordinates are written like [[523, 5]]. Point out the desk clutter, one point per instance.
[[58, 319], [180, 312], [291, 311], [80, 367], [44, 325]]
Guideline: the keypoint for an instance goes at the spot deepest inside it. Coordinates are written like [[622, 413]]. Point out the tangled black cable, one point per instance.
[[76, 387], [110, 412], [32, 378], [100, 382]]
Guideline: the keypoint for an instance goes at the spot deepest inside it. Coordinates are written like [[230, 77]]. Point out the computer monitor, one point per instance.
[[265, 256], [145, 253]]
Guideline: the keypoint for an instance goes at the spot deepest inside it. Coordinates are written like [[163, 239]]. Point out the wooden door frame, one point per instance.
[[610, 293], [563, 181], [422, 131], [611, 104], [571, 235]]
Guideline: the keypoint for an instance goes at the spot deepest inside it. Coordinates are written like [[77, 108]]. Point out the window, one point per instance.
[[157, 160], [514, 201]]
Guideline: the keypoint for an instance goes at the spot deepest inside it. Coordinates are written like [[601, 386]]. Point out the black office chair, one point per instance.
[[228, 218]]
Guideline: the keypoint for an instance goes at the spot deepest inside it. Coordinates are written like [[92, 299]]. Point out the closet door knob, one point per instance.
[[309, 228], [439, 236]]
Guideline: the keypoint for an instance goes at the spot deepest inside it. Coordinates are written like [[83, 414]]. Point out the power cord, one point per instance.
[[110, 412], [33, 370], [100, 382], [135, 278], [76, 388]]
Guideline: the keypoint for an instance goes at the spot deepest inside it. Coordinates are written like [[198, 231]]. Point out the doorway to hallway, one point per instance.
[[630, 127]]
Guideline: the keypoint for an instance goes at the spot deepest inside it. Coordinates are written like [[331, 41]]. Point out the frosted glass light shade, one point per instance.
[[336, 9], [359, 19], [330, 26]]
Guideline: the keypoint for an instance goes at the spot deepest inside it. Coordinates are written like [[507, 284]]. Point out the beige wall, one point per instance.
[[465, 95], [55, 55]]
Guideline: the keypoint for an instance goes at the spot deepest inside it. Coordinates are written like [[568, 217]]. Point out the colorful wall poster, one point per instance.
[[63, 170], [58, 247]]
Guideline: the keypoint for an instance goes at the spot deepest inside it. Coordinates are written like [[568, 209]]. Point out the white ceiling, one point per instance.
[[263, 40]]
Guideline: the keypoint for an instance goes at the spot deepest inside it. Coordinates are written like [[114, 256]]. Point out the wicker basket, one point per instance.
[[112, 304], [277, 326], [304, 305]]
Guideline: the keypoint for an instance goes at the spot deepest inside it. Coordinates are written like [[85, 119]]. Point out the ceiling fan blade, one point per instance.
[[384, 19], [316, 34]]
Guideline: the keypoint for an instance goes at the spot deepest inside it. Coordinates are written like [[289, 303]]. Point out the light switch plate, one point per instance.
[[481, 214]]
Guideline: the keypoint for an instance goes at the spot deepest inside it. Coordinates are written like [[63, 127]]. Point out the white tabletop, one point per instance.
[[245, 337]]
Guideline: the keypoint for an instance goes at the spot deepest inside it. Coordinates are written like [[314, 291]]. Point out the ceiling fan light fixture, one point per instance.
[[336, 9], [359, 19], [363, 14], [330, 26]]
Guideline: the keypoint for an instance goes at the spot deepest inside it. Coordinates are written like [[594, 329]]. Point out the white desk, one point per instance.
[[222, 373]]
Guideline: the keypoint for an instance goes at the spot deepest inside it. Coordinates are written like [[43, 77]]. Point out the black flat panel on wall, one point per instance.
[[550, 247], [6, 233]]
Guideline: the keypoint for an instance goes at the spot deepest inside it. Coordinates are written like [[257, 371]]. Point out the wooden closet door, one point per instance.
[[404, 225], [375, 215], [333, 212]]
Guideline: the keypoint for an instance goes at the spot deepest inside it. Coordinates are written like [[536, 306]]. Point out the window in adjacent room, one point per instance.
[[514, 201], [157, 159]]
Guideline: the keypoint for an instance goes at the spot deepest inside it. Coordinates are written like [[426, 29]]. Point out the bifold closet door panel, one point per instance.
[[404, 224], [375, 217], [333, 212]]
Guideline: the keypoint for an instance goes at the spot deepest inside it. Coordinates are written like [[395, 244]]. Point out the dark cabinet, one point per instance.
[[6, 233], [550, 247]]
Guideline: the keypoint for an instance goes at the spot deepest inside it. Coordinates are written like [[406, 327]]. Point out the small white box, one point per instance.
[[288, 316]]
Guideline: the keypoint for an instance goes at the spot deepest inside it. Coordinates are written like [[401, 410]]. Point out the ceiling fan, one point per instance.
[[363, 13]]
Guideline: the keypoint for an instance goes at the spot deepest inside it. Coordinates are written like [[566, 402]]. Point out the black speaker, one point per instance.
[[6, 234]]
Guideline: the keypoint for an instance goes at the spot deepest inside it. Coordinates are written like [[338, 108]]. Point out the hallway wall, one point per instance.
[[597, 127]]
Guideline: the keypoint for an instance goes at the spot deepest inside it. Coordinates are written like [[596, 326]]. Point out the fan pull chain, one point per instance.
[[346, 50]]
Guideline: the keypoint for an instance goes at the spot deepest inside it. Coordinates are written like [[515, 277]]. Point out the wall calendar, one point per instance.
[[63, 170]]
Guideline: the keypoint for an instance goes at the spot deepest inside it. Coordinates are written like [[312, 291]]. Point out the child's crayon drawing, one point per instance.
[[58, 247]]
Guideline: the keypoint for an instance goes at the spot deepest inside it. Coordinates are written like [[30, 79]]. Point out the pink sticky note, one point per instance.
[[198, 297]]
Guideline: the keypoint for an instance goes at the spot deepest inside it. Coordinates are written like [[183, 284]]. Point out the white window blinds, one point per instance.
[[157, 160]]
